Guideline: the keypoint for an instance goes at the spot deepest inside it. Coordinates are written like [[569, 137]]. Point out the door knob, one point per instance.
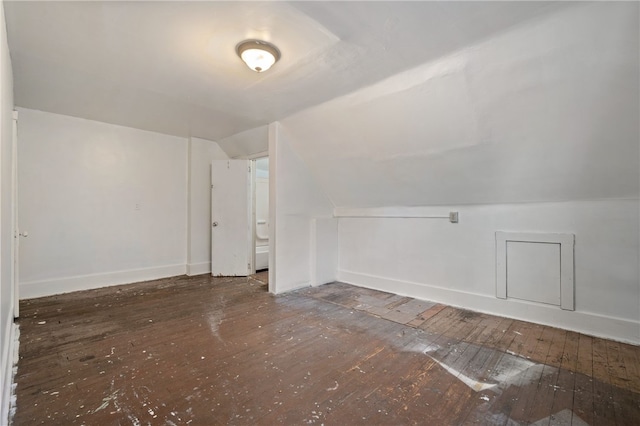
[[214, 224]]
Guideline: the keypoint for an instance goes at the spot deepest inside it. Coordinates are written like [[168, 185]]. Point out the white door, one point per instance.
[[231, 212], [14, 218]]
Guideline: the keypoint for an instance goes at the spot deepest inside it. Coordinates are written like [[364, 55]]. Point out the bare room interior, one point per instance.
[[321, 213]]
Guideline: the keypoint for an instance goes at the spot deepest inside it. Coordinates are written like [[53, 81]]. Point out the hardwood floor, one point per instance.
[[208, 351]]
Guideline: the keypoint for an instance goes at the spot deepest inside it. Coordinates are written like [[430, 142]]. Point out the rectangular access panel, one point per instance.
[[537, 267]]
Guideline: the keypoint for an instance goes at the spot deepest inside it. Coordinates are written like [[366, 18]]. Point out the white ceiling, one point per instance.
[[171, 67]]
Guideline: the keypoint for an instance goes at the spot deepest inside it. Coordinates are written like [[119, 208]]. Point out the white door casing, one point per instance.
[[231, 218], [15, 248]]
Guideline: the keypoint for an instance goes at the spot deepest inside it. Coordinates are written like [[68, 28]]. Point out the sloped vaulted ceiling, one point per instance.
[[388, 103], [171, 67], [545, 111]]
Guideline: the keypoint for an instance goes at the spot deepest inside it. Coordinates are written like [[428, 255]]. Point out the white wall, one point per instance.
[[201, 153], [103, 204], [295, 199], [324, 251], [6, 226], [532, 130], [456, 263]]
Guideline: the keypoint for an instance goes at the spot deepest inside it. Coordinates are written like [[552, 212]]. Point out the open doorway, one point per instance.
[[261, 217], [262, 213]]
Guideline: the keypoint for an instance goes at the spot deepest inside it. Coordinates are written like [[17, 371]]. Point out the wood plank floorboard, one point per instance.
[[217, 351], [564, 388], [583, 396]]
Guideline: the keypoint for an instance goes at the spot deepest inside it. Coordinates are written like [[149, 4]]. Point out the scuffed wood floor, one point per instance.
[[209, 351]]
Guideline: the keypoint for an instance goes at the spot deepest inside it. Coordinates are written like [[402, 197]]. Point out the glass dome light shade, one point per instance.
[[258, 55]]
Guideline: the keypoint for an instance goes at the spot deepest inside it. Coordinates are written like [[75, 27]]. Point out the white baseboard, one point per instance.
[[32, 289], [9, 361], [198, 268], [294, 287], [619, 329]]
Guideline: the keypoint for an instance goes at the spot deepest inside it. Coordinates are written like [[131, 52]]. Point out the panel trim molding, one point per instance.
[[566, 241], [619, 329], [33, 289]]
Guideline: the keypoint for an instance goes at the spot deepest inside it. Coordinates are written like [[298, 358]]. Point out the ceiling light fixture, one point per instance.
[[257, 54]]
